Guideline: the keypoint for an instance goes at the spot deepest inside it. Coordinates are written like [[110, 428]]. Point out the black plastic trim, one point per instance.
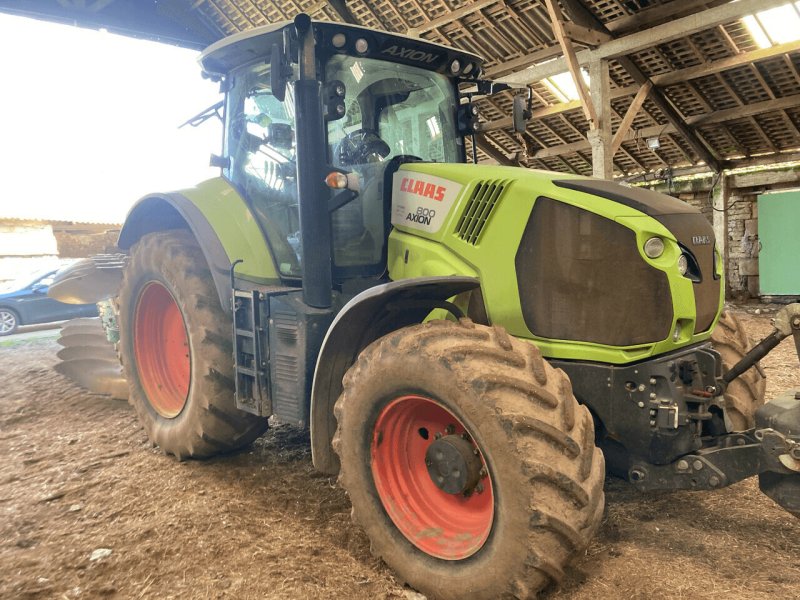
[[367, 317]]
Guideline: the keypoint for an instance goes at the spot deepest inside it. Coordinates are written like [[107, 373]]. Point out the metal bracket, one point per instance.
[[786, 323]]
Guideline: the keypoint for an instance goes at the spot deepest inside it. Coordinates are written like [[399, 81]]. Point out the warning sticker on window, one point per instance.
[[422, 201]]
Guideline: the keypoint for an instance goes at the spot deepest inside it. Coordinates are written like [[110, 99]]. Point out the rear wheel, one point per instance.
[[745, 394], [9, 321], [175, 345], [468, 461]]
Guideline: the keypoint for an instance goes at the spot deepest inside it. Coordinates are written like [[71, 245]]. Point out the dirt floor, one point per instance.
[[78, 478]]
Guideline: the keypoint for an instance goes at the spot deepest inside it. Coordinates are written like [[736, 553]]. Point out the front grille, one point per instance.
[[480, 205], [581, 277]]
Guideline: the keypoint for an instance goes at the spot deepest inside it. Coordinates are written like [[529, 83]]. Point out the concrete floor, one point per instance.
[[33, 332]]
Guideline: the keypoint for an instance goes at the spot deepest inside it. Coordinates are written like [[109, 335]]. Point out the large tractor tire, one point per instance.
[[176, 350], [745, 394], [468, 461]]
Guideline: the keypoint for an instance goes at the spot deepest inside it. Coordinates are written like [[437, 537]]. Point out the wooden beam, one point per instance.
[[723, 64], [578, 14], [748, 110], [494, 153], [719, 116], [658, 14], [675, 119], [630, 115], [548, 111], [572, 63], [585, 35], [451, 16], [521, 62], [636, 42], [341, 9]]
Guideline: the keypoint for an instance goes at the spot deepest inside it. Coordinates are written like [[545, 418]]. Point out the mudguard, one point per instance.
[[221, 222], [367, 317]]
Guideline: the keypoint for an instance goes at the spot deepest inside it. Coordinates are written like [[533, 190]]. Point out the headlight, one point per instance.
[[683, 264], [654, 247], [677, 333]]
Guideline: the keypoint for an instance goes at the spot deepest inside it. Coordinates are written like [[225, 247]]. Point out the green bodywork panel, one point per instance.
[[441, 251], [240, 235], [778, 215]]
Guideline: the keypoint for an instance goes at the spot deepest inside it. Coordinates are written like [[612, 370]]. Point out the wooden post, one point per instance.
[[600, 135], [720, 200]]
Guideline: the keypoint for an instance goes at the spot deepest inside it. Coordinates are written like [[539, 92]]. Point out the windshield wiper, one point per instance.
[[204, 115]]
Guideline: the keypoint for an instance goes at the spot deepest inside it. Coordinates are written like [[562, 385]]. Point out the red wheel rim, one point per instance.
[[161, 346], [447, 526]]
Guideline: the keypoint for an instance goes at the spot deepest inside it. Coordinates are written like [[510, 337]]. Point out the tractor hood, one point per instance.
[[562, 260]]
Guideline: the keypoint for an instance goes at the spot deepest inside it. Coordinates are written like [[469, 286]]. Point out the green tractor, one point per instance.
[[471, 346]]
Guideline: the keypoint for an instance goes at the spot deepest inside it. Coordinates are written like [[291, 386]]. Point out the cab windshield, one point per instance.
[[391, 110]]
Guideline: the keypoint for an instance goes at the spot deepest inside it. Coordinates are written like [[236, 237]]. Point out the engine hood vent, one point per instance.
[[485, 197]]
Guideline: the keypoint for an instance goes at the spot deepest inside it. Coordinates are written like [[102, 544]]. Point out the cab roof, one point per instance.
[[253, 44]]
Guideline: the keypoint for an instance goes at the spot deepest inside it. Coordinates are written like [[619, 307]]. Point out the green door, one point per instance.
[[778, 227]]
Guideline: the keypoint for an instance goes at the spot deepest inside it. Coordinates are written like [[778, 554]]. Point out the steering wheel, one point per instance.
[[362, 146]]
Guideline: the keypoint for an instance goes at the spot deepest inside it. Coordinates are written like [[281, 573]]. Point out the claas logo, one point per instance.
[[423, 188]]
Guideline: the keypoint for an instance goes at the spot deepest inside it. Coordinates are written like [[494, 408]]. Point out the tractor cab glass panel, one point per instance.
[[260, 142], [391, 110]]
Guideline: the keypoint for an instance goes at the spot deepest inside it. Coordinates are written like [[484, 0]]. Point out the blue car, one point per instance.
[[25, 302]]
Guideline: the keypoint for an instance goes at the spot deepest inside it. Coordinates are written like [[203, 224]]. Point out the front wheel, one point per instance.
[[176, 350], [468, 461], [745, 394]]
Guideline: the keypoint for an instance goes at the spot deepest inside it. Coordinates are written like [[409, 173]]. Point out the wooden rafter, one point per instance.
[[635, 42], [630, 115], [655, 15], [451, 16], [572, 63], [723, 64], [712, 118], [554, 109], [492, 152], [341, 9]]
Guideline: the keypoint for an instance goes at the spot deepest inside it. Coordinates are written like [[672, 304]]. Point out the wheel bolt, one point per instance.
[[438, 435], [450, 429], [479, 488], [483, 472]]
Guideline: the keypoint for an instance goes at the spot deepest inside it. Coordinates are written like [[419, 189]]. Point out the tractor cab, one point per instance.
[[381, 100]]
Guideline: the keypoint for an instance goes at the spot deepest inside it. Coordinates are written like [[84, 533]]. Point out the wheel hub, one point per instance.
[[443, 519], [161, 347], [453, 464]]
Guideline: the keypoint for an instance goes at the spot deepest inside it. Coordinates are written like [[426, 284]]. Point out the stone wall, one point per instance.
[[72, 244], [741, 267], [31, 246]]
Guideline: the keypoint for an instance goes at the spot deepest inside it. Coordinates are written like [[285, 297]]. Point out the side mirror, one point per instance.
[[520, 114], [39, 288], [278, 76]]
